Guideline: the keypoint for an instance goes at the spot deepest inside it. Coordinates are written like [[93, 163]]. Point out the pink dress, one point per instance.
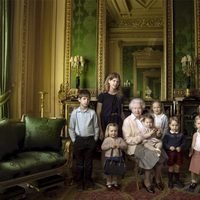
[[195, 160]]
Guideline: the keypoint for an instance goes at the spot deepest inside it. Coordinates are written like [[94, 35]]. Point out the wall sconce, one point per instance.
[[78, 65]]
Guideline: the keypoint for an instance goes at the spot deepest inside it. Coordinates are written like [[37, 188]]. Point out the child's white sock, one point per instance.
[[114, 183], [108, 183]]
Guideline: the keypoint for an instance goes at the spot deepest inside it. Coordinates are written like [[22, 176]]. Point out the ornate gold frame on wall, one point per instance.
[[100, 61], [101, 51], [101, 47], [67, 48], [167, 78], [149, 59], [197, 39], [169, 49], [194, 92]]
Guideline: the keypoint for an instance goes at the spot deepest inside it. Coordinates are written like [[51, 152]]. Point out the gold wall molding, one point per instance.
[[140, 22], [129, 35], [182, 92], [73, 92], [197, 39], [68, 38], [140, 43], [101, 45], [169, 51]]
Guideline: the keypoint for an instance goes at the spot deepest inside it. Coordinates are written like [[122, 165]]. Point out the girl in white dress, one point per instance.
[[160, 119]]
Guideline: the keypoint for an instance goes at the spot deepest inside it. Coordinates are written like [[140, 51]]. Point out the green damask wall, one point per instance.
[[84, 42], [184, 38], [128, 64]]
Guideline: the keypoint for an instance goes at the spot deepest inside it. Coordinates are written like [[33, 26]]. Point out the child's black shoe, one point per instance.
[[80, 186], [170, 184], [89, 184], [116, 186], [179, 184], [192, 187]]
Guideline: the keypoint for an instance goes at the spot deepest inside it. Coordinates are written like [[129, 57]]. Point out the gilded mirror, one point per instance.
[[139, 48], [147, 70], [109, 44]]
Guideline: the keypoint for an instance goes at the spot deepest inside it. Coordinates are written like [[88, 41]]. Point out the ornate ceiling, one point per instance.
[[133, 12]]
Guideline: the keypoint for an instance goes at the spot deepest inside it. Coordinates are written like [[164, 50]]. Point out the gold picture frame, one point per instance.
[[101, 29], [101, 48]]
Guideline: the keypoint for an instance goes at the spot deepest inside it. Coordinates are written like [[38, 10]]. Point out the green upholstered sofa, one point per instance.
[[32, 150]]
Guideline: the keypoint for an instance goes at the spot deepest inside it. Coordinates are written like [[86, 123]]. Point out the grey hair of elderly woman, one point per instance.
[[136, 101]]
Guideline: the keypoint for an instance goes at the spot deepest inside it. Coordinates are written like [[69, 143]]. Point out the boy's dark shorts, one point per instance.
[[175, 158]]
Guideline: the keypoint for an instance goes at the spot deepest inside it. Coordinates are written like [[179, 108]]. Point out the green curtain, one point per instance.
[[5, 38]]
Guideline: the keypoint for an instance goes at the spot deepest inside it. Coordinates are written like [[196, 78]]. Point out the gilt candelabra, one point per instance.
[[78, 65], [188, 68]]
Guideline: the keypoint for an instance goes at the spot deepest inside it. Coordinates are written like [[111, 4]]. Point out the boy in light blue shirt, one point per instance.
[[84, 132]]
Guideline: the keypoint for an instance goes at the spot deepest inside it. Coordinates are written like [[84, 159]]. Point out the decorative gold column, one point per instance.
[[42, 96], [101, 44]]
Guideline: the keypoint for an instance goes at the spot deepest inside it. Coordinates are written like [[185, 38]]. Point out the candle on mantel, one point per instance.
[[174, 107]]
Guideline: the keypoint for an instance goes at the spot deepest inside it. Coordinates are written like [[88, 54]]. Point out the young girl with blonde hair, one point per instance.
[[160, 118], [113, 147], [152, 135]]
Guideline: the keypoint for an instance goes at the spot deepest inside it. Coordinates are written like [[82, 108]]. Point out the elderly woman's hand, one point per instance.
[[178, 149], [172, 148], [115, 146]]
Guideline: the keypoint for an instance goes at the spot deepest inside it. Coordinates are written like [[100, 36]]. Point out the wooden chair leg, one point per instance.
[[136, 167]]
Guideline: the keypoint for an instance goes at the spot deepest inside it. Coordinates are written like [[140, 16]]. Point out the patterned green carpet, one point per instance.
[[128, 189], [127, 192]]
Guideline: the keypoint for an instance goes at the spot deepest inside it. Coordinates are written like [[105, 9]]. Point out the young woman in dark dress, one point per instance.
[[110, 104]]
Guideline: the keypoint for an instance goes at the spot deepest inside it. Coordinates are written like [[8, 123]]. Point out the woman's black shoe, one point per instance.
[[160, 186], [149, 189]]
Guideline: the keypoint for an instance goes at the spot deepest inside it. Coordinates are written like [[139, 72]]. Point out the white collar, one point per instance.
[[134, 117], [173, 132], [159, 116]]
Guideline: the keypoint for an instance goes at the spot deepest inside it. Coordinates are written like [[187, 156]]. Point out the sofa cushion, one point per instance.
[[43, 133], [8, 139], [30, 162]]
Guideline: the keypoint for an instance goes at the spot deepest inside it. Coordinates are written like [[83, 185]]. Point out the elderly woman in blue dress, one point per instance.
[[133, 130]]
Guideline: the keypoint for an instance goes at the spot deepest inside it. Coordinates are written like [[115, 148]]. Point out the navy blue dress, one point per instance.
[[111, 110]]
